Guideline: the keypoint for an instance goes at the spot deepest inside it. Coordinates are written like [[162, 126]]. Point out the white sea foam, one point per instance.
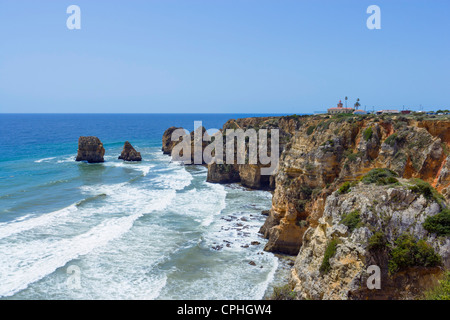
[[219, 194], [33, 260], [44, 160], [131, 243], [175, 179], [27, 223], [67, 159], [29, 260]]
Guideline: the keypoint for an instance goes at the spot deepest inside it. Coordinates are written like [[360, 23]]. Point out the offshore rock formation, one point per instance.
[[167, 143], [249, 175], [386, 212], [129, 153], [90, 149], [195, 138]]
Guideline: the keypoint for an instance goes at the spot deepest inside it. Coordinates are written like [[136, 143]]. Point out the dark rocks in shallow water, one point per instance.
[[90, 149], [129, 153]]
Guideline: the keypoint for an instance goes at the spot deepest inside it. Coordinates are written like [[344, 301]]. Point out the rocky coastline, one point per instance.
[[323, 162]]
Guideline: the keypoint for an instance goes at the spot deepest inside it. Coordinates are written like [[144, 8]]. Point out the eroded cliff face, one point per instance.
[[324, 152], [391, 211], [249, 175], [319, 153], [197, 139], [167, 143]]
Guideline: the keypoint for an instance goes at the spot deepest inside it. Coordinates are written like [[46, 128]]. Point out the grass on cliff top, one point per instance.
[[380, 176], [409, 252], [441, 291]]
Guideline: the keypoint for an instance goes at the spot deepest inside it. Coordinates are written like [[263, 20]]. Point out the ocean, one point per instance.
[[116, 230]]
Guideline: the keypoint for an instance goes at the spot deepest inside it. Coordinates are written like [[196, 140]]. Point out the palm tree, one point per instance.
[[357, 104], [346, 98]]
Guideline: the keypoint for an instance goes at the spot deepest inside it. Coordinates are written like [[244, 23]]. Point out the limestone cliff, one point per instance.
[[325, 152], [319, 153], [381, 215], [317, 185]]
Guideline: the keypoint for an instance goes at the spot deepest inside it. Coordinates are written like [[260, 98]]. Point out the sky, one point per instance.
[[222, 56]]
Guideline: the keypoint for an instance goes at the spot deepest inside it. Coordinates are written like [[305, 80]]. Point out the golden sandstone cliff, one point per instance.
[[322, 160]]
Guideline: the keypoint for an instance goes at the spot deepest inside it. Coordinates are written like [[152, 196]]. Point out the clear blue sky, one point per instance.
[[248, 56]]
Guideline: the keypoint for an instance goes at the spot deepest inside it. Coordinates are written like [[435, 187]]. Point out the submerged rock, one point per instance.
[[129, 153], [90, 149]]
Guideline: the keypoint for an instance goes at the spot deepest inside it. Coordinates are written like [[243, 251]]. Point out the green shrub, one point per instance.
[[352, 220], [352, 156], [441, 291], [367, 134], [409, 252], [330, 251], [377, 241], [439, 224], [391, 139], [300, 205], [380, 177], [306, 190], [324, 125], [345, 188], [425, 189], [310, 130], [283, 293]]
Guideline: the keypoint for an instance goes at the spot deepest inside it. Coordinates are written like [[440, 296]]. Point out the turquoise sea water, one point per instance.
[[116, 230]]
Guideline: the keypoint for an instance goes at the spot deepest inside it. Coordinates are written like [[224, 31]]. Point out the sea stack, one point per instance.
[[129, 153], [90, 149], [167, 143]]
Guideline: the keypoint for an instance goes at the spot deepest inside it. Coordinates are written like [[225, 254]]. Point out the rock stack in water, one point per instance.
[[90, 149], [129, 153], [167, 143]]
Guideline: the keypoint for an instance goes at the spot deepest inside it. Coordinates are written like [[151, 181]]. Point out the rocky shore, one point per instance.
[[318, 184]]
